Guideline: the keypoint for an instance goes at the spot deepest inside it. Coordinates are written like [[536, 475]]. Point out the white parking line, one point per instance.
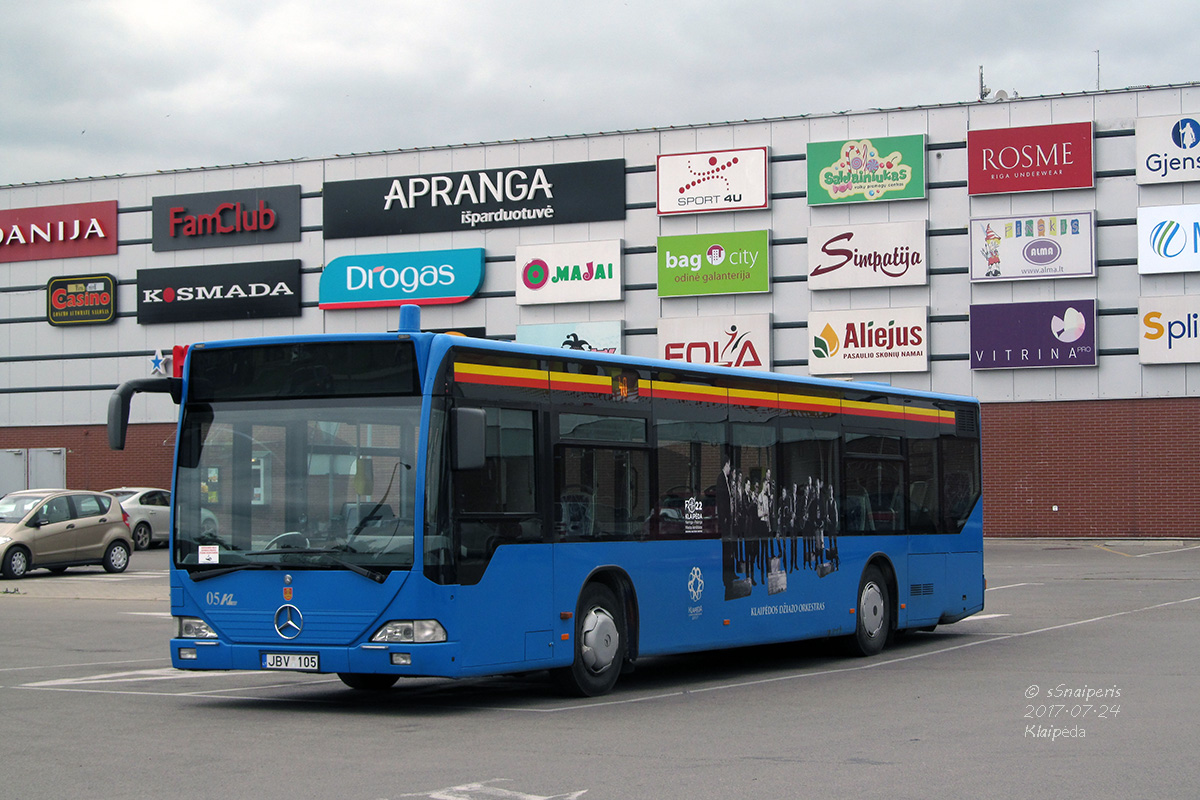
[[1010, 586]]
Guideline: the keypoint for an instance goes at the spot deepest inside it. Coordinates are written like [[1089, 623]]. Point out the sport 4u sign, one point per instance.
[[716, 180], [866, 170]]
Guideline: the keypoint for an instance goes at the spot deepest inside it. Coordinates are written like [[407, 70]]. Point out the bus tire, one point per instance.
[[367, 681], [873, 616], [600, 643]]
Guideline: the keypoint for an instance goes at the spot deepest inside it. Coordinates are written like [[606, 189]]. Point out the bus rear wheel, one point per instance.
[[873, 614], [600, 643], [368, 682]]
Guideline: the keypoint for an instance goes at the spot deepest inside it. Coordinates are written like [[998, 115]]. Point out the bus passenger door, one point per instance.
[[502, 557]]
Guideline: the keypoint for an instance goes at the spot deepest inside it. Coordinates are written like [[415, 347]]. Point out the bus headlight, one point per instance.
[[195, 628], [411, 630]]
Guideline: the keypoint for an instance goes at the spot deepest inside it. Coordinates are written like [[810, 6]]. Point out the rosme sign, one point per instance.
[[741, 341], [1031, 159], [859, 256], [381, 280], [576, 272], [714, 180]]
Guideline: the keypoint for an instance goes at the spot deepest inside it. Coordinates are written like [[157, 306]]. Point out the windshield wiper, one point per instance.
[[203, 575], [330, 553]]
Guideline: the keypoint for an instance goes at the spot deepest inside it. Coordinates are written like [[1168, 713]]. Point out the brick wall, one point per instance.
[[1112, 467], [145, 461]]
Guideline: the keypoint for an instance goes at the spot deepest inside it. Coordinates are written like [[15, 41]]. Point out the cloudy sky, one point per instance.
[[103, 87]]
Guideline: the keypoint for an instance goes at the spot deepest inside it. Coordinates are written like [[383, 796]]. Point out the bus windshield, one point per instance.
[[316, 484]]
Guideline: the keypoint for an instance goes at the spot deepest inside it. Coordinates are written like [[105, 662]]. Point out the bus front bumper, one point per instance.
[[440, 660]]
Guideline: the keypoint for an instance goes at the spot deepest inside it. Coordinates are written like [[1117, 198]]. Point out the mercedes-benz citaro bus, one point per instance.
[[419, 504]]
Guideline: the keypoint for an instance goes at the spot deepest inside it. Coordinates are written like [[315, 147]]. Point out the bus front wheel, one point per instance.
[[600, 643], [873, 614]]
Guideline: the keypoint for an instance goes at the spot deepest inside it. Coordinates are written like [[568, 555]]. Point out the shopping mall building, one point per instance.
[[1042, 254]]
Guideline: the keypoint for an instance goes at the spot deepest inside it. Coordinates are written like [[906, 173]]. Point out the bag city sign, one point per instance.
[[866, 170], [1168, 149], [1169, 330], [741, 341], [594, 337], [1033, 246], [860, 256], [577, 272], [713, 180], [868, 340], [1168, 239], [1054, 333], [430, 277], [254, 290], [266, 215], [1033, 159], [81, 300], [586, 191], [75, 230], [714, 263]]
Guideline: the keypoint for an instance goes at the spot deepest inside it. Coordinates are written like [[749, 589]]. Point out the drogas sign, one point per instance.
[[431, 277]]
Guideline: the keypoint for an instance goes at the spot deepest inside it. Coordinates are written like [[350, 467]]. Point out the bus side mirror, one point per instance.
[[468, 438], [118, 404]]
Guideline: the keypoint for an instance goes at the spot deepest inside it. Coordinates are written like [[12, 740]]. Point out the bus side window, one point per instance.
[[497, 504]]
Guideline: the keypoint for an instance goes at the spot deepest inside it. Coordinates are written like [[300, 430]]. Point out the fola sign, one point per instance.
[[1169, 330], [254, 290], [225, 219], [1168, 149], [68, 231], [430, 277], [1053, 333], [81, 300], [1032, 246], [868, 340], [575, 272], [714, 263], [1032, 159], [742, 341], [859, 256], [587, 191], [714, 180]]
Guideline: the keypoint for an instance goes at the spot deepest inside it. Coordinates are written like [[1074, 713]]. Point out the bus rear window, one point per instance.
[[303, 369]]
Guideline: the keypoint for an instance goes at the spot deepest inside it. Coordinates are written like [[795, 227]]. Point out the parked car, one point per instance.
[[149, 513], [58, 528]]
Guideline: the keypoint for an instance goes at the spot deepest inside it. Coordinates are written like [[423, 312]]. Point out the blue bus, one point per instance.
[[423, 504]]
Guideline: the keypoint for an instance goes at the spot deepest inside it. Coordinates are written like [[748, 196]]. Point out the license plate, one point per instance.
[[306, 662]]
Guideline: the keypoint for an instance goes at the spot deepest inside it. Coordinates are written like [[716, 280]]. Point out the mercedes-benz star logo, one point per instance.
[[289, 621]]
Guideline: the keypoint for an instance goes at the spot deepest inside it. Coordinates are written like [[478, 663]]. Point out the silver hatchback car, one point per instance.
[[56, 528]]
